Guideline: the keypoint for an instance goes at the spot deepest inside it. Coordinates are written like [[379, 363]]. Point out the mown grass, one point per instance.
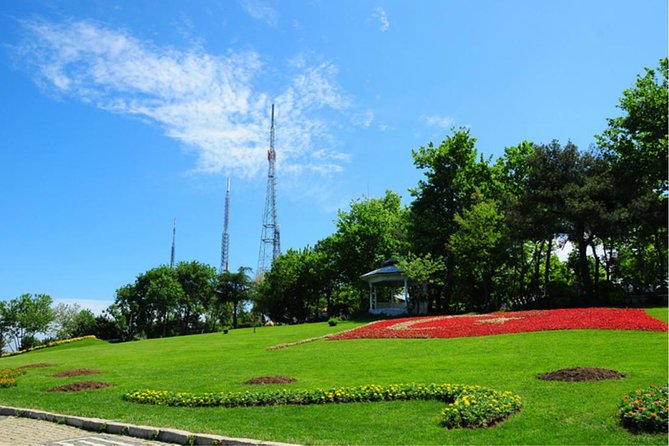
[[554, 412]]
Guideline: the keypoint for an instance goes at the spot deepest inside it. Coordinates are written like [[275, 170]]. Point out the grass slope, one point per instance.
[[554, 412]]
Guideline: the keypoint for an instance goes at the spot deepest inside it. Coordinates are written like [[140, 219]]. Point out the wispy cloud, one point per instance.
[[208, 102], [380, 14], [260, 10], [363, 119], [442, 122]]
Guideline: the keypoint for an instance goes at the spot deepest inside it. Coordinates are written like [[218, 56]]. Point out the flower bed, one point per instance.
[[645, 410], [48, 344], [8, 377], [507, 322], [468, 406]]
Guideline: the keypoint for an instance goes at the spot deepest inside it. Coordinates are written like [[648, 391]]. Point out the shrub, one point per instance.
[[468, 406], [645, 410], [8, 377], [333, 322]]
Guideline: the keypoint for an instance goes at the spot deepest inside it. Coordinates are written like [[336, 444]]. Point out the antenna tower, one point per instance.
[[270, 245], [174, 242], [225, 242]]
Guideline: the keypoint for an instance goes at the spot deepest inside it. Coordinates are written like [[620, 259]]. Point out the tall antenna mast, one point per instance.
[[270, 244], [174, 242], [225, 242]]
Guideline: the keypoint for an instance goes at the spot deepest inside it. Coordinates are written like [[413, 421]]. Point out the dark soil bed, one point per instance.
[[76, 372], [78, 386], [581, 374], [36, 365], [270, 380]]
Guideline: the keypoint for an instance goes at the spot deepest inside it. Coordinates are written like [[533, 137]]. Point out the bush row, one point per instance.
[[645, 410], [48, 344], [468, 406]]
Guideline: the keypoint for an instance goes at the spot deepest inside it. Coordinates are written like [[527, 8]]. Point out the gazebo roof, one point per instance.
[[386, 273]]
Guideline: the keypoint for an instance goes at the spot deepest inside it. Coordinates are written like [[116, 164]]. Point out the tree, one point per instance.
[[26, 316], [292, 290], [72, 321], [372, 231], [426, 277], [197, 281], [233, 288], [479, 247], [636, 145], [452, 173]]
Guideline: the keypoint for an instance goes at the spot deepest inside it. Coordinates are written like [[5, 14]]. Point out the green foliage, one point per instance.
[[162, 302], [71, 321], [645, 410], [468, 406], [293, 289], [233, 289], [22, 318], [479, 247]]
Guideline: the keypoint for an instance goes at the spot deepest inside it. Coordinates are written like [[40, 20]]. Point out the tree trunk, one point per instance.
[[583, 261], [537, 265], [607, 260], [547, 267], [597, 262], [661, 260]]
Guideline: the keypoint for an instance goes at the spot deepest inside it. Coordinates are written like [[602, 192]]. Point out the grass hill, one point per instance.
[[553, 413]]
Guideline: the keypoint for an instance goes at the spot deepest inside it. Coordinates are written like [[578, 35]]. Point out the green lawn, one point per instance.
[[554, 412]]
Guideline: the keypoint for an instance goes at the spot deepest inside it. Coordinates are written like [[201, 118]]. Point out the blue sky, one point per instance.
[[118, 116]]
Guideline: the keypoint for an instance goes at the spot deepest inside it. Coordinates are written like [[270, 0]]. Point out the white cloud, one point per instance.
[[443, 122], [363, 119], [380, 14], [208, 102], [260, 10]]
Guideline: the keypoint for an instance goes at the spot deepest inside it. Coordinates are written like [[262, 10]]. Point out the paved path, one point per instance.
[[36, 427], [19, 431]]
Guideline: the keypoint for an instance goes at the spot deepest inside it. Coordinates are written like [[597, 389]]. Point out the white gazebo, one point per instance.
[[388, 289]]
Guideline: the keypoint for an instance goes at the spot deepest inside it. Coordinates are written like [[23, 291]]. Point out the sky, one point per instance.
[[117, 117]]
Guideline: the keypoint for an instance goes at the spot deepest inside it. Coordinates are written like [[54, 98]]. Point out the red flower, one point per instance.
[[508, 322]]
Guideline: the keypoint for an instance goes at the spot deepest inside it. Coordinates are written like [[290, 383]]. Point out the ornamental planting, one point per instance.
[[507, 322], [467, 406]]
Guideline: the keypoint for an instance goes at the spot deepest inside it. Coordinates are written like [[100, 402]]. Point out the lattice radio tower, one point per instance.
[[270, 245], [225, 239], [174, 242]]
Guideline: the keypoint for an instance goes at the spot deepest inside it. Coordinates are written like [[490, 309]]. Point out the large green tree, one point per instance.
[[453, 170], [636, 146], [233, 288], [370, 232]]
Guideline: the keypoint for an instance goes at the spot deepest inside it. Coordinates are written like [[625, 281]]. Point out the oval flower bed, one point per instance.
[[645, 410], [468, 406], [507, 322]]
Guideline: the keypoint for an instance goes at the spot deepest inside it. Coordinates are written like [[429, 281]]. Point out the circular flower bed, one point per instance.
[[468, 406], [507, 322], [645, 410]]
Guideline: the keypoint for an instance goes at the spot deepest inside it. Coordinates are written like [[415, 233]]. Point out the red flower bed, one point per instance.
[[508, 322]]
